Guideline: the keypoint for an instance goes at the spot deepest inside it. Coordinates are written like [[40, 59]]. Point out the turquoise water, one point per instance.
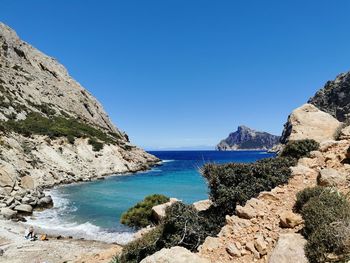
[[92, 210]]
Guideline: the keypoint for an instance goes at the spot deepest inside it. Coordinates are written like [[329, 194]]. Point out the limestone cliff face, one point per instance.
[[33, 83], [34, 80], [247, 139]]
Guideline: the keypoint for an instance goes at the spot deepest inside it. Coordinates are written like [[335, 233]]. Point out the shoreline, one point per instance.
[[17, 249], [49, 191], [66, 249]]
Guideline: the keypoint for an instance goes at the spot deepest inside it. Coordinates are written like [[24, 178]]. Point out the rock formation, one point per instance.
[[247, 139], [308, 122], [334, 97], [40, 105]]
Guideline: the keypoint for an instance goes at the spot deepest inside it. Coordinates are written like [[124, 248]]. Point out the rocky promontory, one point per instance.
[[248, 139], [52, 130]]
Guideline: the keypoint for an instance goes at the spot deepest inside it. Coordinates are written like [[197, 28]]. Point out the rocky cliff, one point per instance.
[[334, 97], [52, 129], [248, 139]]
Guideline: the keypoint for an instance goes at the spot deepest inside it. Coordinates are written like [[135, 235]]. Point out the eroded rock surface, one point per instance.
[[34, 83], [308, 122]]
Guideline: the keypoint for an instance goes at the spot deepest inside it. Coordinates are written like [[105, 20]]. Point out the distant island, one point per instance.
[[248, 139]]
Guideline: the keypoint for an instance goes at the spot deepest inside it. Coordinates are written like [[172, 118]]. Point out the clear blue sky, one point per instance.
[[186, 73]]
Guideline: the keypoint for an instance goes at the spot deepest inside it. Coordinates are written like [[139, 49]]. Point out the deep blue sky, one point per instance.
[[186, 73]]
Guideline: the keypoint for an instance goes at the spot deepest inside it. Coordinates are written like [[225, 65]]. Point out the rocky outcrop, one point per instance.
[[247, 139], [158, 211], [202, 204], [33, 84], [174, 255], [308, 122], [334, 97], [330, 177], [289, 249]]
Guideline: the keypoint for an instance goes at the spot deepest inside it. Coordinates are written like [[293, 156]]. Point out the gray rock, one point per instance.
[[9, 201], [330, 177], [45, 202], [334, 97], [8, 213], [289, 249], [23, 208]]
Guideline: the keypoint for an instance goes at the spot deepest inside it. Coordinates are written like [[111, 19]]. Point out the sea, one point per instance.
[[92, 210]]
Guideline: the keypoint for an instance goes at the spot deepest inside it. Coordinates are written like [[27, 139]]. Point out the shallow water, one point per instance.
[[92, 210]]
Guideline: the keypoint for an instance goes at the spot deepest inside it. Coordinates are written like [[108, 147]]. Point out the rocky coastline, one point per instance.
[[52, 131]]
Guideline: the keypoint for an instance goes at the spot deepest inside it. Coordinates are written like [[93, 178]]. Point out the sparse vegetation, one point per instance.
[[182, 226], [326, 213], [140, 215], [56, 126], [300, 148], [96, 145], [235, 183], [229, 185], [137, 250]]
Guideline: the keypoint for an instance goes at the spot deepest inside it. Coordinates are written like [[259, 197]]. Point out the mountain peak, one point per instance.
[[246, 138]]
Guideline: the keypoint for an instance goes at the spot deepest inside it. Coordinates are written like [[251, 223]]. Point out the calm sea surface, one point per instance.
[[92, 210]]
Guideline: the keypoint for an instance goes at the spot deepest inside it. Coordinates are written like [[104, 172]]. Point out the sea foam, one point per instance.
[[50, 222]]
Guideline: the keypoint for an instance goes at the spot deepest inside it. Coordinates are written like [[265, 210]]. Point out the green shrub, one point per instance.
[[96, 145], [304, 196], [185, 226], [326, 213], [140, 248], [300, 148], [140, 215], [330, 206], [182, 226], [235, 183]]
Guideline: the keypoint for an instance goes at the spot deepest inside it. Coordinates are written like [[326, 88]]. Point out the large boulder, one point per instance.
[[308, 122], [8, 176], [289, 249], [45, 202], [8, 213], [158, 211], [23, 208], [330, 177], [174, 255]]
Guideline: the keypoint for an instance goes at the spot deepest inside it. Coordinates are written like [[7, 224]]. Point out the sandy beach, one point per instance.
[[17, 249]]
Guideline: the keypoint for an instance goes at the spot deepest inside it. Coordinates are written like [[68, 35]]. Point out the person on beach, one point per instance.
[[30, 234]]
